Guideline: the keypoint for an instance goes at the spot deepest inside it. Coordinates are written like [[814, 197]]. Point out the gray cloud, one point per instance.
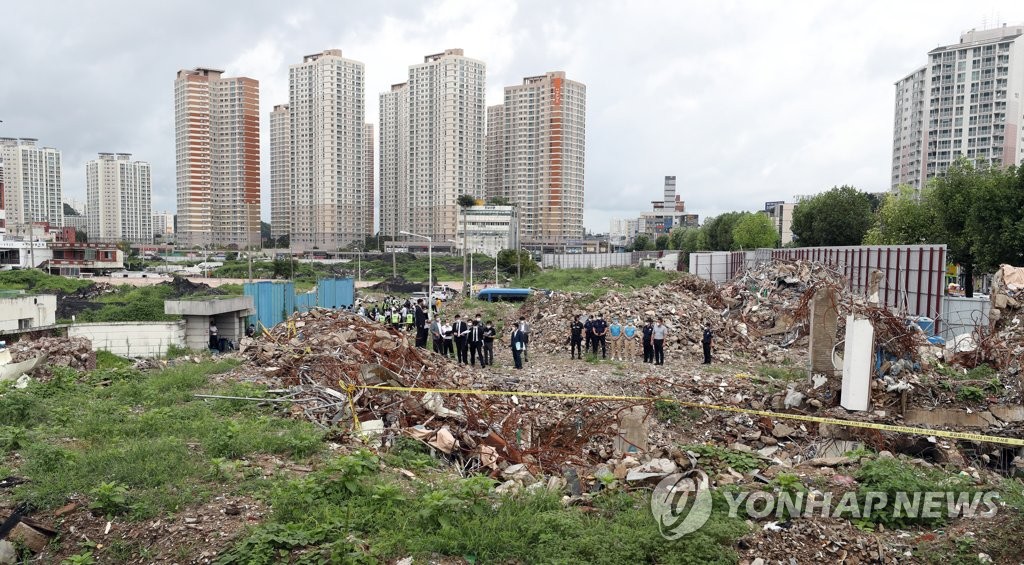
[[744, 101]]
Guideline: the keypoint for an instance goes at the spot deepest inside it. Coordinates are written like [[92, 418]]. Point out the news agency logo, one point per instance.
[[681, 503]]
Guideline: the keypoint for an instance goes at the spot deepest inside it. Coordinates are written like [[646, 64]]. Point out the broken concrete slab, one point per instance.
[[633, 429], [950, 417], [824, 325], [655, 468], [1008, 412]]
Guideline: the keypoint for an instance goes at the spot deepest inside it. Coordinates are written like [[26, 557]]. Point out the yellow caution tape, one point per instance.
[[800, 417]]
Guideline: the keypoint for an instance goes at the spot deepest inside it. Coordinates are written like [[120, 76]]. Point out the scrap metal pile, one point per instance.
[[322, 361]]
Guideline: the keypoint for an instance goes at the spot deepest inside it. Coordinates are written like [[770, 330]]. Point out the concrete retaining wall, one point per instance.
[[132, 339], [962, 315]]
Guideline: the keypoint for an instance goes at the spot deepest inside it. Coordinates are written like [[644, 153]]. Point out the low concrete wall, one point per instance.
[[132, 339], [961, 314]]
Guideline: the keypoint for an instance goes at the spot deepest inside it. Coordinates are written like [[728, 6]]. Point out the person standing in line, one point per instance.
[[648, 343], [461, 331], [447, 336], [588, 328], [518, 346], [410, 320], [435, 336], [525, 328], [489, 335], [706, 343], [422, 327], [658, 339], [600, 336], [629, 340], [615, 333], [396, 319], [476, 344], [576, 338]]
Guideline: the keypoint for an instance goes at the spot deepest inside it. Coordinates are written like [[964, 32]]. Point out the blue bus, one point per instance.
[[509, 294]]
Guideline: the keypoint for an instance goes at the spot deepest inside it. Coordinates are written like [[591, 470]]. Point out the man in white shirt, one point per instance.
[[658, 339]]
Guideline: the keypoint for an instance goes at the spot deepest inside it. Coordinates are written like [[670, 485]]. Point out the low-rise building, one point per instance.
[[23, 254], [72, 259], [19, 311], [489, 229], [781, 214]]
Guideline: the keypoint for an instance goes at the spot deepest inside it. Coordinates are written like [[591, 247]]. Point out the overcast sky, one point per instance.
[[744, 101]]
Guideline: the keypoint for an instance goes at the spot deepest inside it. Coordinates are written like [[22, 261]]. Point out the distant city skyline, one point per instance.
[[745, 103]]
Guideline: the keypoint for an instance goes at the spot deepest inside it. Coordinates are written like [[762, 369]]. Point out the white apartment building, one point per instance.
[[217, 144], [163, 224], [119, 193], [368, 176], [440, 134], [393, 176], [781, 215], [280, 172], [964, 101], [31, 183], [326, 108], [489, 229], [539, 156]]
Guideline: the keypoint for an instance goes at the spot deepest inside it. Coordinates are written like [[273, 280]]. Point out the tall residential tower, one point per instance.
[[432, 145], [280, 173], [217, 142], [536, 155], [119, 193], [964, 101], [326, 113], [31, 184]]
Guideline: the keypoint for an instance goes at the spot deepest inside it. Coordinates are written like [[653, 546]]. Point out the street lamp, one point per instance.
[[466, 251], [359, 272], [430, 262]]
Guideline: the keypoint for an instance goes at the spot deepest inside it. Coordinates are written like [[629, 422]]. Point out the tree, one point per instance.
[[661, 242], [904, 218], [840, 216], [284, 241], [465, 201], [642, 242], [754, 230], [498, 201], [996, 219], [81, 236], [510, 261], [675, 238], [719, 230], [265, 236]]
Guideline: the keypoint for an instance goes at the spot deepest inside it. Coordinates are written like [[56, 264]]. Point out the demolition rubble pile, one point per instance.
[[762, 311], [74, 352], [321, 361]]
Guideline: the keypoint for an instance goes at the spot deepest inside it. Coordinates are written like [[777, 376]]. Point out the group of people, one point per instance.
[[625, 338]]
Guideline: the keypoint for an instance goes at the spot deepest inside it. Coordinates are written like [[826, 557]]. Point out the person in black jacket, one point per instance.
[[461, 331], [518, 344], [647, 338], [705, 342], [588, 332], [575, 339], [421, 324], [489, 334], [476, 344]]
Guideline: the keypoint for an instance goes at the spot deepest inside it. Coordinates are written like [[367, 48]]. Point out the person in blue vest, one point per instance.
[[615, 333], [629, 340]]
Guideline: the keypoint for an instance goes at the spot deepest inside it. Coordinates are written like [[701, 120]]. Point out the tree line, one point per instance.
[[977, 210]]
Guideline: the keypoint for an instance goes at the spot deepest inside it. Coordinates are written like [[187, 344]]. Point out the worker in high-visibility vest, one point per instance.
[[396, 319], [409, 320]]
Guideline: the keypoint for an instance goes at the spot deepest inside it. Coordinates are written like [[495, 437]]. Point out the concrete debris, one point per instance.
[[75, 353]]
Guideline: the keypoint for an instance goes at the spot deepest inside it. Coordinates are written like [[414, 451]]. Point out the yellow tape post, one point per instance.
[[800, 417]]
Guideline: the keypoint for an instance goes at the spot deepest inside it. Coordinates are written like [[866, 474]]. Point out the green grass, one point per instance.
[[589, 280], [40, 282], [319, 518], [107, 360], [787, 374], [719, 458], [141, 440], [131, 304]]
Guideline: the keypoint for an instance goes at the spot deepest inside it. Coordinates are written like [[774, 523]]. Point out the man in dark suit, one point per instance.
[[518, 344], [461, 331], [421, 324], [476, 344]]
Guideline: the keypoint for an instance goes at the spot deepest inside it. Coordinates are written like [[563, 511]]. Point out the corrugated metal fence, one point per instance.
[[274, 302]]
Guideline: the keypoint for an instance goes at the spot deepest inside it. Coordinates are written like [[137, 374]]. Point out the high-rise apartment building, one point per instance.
[[435, 122], [494, 169], [163, 224], [31, 184], [119, 193], [394, 161], [217, 143], [280, 172], [368, 151], [327, 119], [964, 101], [536, 151]]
